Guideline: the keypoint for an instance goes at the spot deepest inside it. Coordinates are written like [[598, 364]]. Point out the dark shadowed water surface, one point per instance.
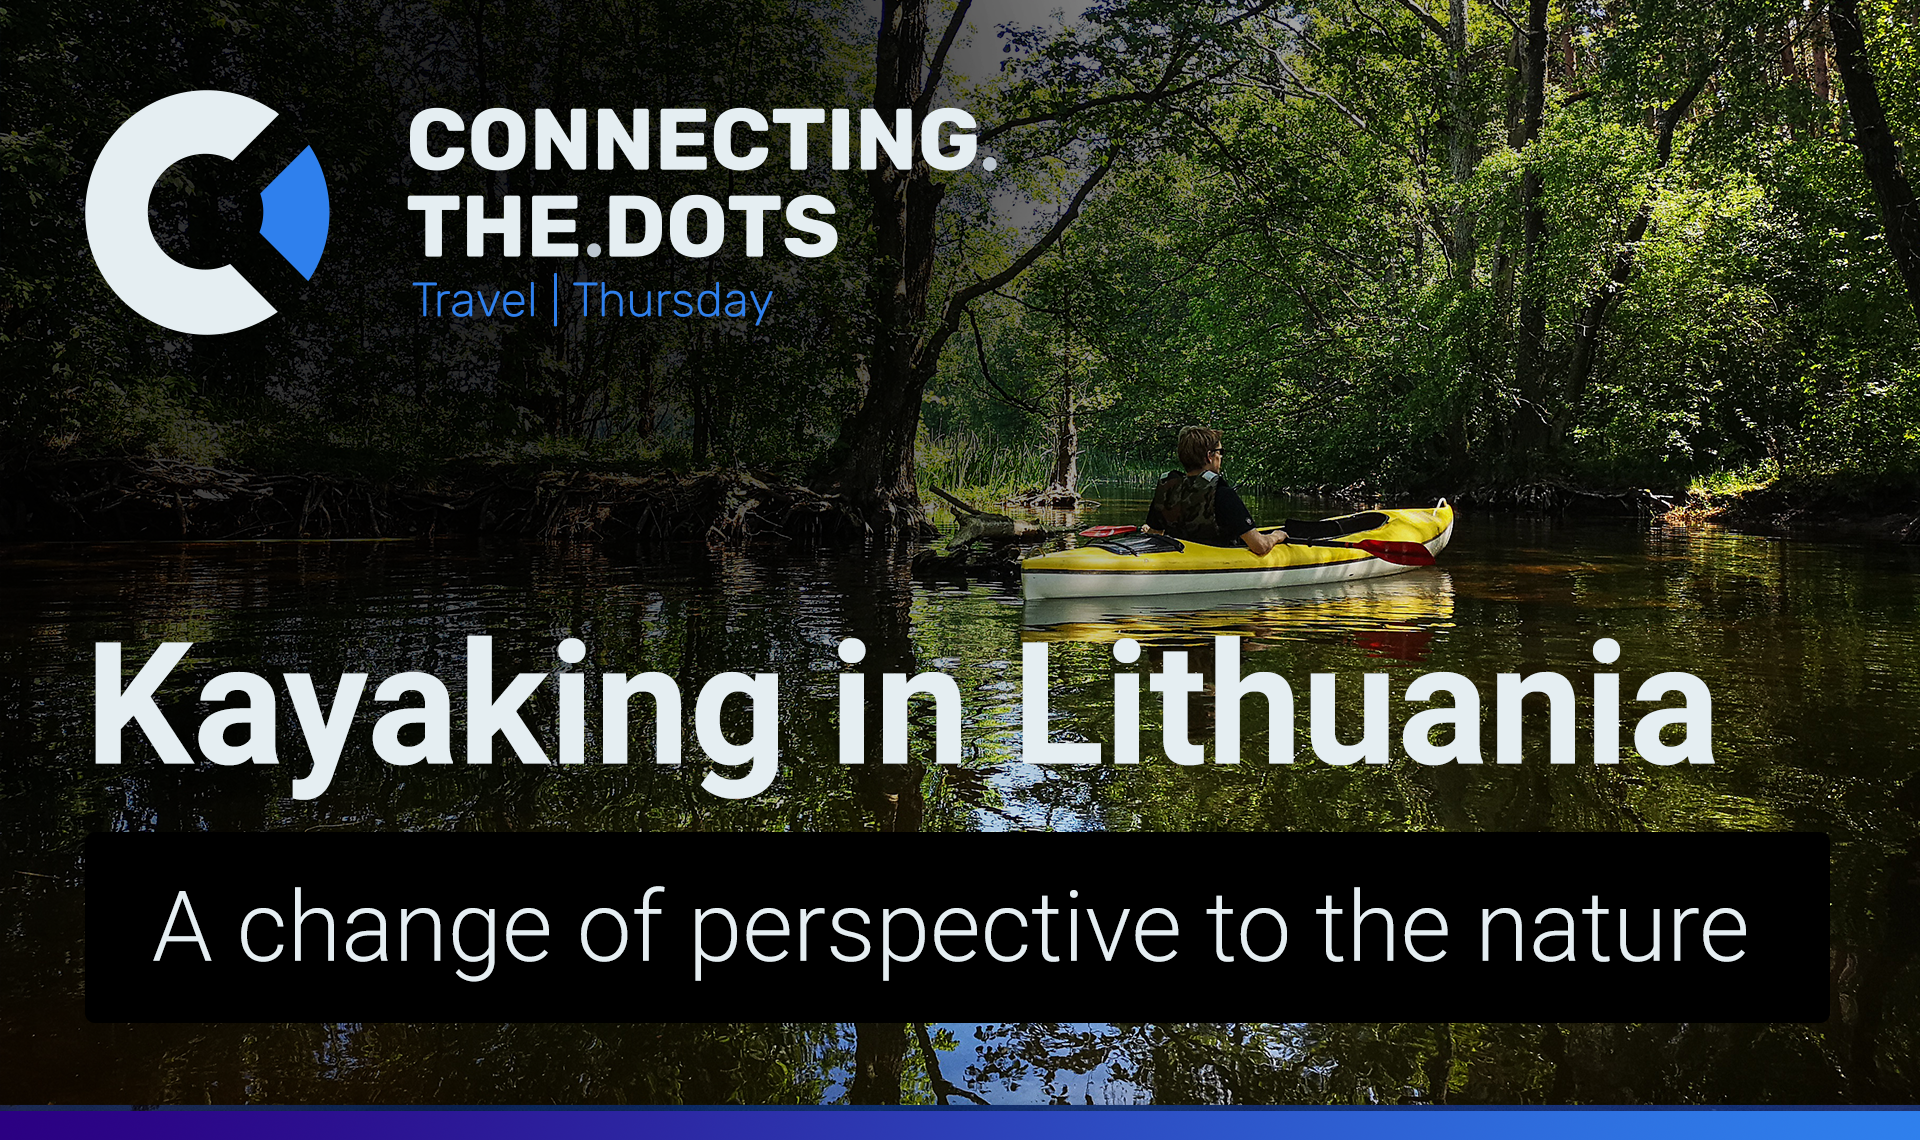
[[1808, 648]]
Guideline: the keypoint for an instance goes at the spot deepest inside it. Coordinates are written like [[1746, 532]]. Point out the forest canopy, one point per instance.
[[1373, 241]]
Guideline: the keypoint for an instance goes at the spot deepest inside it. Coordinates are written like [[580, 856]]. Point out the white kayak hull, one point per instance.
[[1140, 577]]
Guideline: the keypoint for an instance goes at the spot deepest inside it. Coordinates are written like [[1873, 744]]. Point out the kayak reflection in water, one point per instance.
[[1199, 505]]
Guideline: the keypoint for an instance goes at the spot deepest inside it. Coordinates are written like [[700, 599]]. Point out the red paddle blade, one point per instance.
[[1107, 531], [1398, 553]]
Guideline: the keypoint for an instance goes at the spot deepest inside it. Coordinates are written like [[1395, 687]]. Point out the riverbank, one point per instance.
[[1784, 506], [163, 499], [1773, 506], [167, 499], [1547, 497]]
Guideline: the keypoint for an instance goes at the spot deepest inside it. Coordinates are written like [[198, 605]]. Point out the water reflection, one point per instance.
[[1808, 649], [1388, 617]]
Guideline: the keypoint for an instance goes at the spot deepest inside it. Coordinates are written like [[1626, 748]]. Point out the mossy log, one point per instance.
[[977, 525]]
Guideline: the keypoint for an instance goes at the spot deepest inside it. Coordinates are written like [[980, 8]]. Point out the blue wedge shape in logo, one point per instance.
[[293, 213]]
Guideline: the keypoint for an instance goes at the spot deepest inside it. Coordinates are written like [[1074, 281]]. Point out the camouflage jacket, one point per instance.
[[1183, 506]]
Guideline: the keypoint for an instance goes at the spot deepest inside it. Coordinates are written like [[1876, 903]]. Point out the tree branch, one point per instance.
[[1606, 295], [1502, 11], [1176, 62], [939, 63], [1157, 92], [980, 350], [929, 349], [942, 1087], [1030, 306], [1670, 119], [1249, 14], [1300, 88], [1427, 18]]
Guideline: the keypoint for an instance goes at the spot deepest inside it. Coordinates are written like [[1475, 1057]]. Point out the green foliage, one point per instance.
[[1318, 248], [1321, 276]]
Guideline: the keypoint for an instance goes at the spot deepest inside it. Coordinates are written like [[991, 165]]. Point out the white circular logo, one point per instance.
[[179, 297]]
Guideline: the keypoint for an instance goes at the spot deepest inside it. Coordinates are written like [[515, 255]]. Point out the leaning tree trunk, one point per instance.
[[1606, 296], [1879, 153]]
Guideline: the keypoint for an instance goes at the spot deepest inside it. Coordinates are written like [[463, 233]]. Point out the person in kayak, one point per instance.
[[1199, 505]]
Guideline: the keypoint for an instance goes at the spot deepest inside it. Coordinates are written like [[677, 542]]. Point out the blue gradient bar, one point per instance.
[[955, 1124]]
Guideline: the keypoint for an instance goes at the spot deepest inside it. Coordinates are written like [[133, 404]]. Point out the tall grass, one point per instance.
[[980, 462], [1114, 468], [985, 467], [1717, 483]]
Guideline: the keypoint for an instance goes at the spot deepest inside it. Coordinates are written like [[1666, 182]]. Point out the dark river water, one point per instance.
[[1808, 648]]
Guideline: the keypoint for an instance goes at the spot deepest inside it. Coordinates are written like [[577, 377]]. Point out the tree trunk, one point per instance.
[[879, 1053], [1066, 450], [1065, 475], [1503, 255], [1879, 153], [1462, 135], [877, 465], [1822, 82], [877, 468], [1529, 428]]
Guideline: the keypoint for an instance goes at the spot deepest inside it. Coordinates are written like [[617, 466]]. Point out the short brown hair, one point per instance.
[[1196, 446]]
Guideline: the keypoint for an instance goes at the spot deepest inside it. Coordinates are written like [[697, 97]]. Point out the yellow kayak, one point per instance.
[[1155, 564]]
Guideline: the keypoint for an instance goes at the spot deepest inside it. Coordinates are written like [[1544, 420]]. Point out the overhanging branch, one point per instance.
[[929, 349], [980, 350]]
